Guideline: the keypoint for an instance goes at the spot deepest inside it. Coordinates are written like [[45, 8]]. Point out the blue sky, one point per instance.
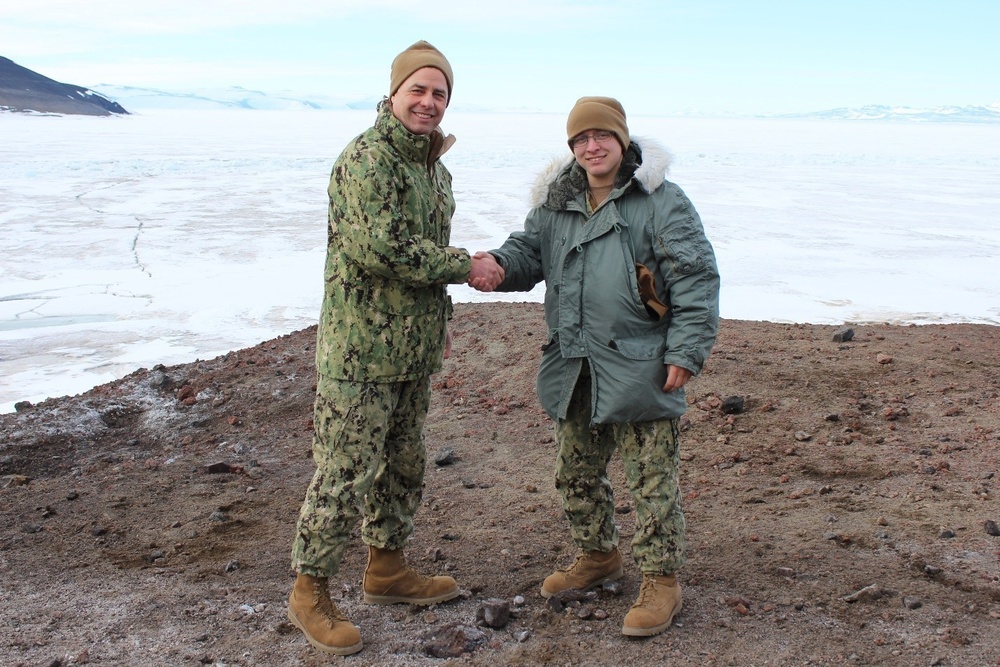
[[712, 56]]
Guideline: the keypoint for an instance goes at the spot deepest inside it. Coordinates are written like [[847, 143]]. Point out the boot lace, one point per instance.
[[647, 591], [410, 573], [580, 563], [324, 605], [576, 563]]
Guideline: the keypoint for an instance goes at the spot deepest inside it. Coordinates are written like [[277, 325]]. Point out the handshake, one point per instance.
[[486, 273]]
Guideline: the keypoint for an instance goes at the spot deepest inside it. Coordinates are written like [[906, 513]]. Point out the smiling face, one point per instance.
[[600, 156], [420, 102]]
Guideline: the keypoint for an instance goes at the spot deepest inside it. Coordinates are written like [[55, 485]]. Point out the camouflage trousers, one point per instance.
[[650, 453], [370, 458]]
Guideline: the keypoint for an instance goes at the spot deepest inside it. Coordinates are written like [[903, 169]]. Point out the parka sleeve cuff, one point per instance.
[[690, 364]]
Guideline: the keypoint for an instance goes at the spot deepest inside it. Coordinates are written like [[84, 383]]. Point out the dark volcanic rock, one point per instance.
[[24, 90]]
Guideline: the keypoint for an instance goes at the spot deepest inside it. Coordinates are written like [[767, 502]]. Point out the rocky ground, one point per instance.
[[845, 513]]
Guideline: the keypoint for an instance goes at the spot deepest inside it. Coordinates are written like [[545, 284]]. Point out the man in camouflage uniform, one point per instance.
[[382, 332], [632, 307]]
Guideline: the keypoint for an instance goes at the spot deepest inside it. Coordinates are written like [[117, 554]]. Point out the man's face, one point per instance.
[[420, 102], [599, 153]]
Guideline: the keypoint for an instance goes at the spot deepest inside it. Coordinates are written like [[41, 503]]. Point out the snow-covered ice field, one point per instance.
[[174, 235]]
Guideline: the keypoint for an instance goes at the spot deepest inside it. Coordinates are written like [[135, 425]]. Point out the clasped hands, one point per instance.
[[486, 273]]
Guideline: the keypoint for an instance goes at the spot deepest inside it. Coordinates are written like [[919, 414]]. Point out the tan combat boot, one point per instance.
[[388, 580], [591, 568], [312, 611], [654, 611]]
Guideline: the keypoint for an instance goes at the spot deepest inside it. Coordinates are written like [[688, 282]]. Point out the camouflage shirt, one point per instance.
[[388, 262]]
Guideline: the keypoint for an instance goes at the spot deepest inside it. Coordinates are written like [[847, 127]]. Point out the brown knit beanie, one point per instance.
[[416, 57], [597, 113]]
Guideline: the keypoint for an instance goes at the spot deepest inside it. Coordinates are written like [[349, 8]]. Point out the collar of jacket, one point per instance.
[[426, 148], [645, 164]]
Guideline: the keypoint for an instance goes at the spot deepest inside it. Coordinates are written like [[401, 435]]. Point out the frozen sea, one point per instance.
[[170, 236]]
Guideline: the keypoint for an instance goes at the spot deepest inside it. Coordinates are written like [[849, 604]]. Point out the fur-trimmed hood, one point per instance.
[[646, 162]]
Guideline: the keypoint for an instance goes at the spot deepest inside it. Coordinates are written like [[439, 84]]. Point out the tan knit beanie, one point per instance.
[[416, 57], [597, 113]]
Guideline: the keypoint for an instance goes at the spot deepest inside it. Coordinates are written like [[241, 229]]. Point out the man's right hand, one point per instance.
[[486, 274]]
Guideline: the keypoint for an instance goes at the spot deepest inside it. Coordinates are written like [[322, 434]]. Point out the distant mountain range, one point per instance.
[[24, 90], [966, 114], [21, 89], [235, 97], [139, 99]]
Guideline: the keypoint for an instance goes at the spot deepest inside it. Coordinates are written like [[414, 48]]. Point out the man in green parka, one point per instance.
[[382, 332], [632, 308]]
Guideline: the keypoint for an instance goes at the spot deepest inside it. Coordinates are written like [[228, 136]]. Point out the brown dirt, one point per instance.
[[841, 518]]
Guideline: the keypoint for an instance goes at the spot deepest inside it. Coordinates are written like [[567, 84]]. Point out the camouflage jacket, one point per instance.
[[388, 263]]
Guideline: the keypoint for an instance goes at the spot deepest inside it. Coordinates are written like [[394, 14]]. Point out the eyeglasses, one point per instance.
[[601, 137]]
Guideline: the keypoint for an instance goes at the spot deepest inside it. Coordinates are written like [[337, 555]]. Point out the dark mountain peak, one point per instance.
[[24, 90]]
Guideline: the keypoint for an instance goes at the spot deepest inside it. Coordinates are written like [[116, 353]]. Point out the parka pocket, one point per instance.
[[630, 378], [687, 253], [641, 348]]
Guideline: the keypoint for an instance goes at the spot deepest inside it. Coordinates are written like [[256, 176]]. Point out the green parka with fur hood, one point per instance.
[[592, 304]]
